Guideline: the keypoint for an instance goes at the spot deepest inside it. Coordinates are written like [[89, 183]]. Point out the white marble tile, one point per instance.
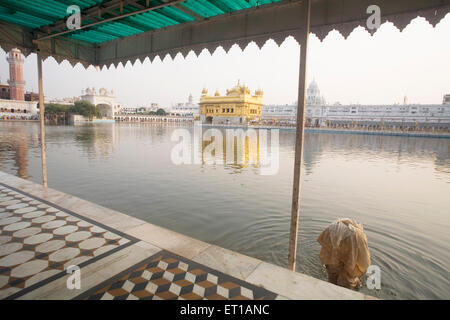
[[78, 236], [16, 258], [65, 230], [94, 273], [29, 268], [226, 261], [17, 226], [27, 232], [50, 246], [9, 220], [25, 210], [169, 240], [38, 238], [17, 206], [64, 254], [9, 248], [91, 243]]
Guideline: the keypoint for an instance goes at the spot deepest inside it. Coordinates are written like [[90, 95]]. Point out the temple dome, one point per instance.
[[313, 96]]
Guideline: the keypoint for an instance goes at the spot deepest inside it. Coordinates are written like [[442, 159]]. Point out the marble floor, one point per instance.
[[40, 240], [44, 231], [166, 276]]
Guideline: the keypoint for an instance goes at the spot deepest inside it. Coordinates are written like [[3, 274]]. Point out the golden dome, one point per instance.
[[217, 94], [204, 91], [259, 92]]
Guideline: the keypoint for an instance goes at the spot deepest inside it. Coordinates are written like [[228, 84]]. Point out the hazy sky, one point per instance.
[[362, 69]]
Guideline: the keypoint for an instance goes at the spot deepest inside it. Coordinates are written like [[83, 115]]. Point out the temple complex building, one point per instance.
[[188, 109], [238, 106], [394, 116], [104, 100]]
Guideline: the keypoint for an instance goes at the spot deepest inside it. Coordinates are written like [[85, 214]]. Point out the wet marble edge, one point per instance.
[[169, 240], [298, 286], [235, 264]]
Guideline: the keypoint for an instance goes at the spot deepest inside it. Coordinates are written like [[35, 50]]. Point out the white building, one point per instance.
[[64, 101], [280, 113], [188, 109], [313, 97], [129, 110], [412, 115], [104, 100], [318, 113], [16, 109]]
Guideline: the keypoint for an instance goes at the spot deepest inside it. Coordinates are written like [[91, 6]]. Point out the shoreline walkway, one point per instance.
[[44, 231], [417, 134]]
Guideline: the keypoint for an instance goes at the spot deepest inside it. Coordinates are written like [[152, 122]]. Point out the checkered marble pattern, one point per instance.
[[166, 276], [38, 241]]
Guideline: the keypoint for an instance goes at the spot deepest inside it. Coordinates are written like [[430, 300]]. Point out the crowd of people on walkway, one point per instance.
[[17, 116]]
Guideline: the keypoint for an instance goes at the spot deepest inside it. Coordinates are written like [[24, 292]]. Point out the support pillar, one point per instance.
[[299, 138], [42, 120]]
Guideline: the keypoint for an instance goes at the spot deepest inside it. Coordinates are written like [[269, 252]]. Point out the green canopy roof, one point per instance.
[[116, 31], [37, 14]]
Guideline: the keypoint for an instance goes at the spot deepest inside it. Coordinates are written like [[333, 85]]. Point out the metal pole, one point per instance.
[[295, 212], [42, 120]]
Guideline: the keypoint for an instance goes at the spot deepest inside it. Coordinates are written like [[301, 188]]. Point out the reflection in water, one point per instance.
[[397, 187], [14, 145], [237, 149]]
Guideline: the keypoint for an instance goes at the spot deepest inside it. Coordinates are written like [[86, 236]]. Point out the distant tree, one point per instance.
[[86, 109], [55, 108], [160, 112]]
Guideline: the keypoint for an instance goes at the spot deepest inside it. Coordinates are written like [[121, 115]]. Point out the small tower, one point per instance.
[[16, 83]]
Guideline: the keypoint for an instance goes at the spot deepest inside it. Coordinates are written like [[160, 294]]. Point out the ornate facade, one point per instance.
[[188, 109], [238, 106], [320, 114], [103, 99]]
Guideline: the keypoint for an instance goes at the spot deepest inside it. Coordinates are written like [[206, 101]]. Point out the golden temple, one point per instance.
[[238, 106]]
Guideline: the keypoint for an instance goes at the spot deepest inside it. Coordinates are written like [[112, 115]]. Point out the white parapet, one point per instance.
[[18, 107]]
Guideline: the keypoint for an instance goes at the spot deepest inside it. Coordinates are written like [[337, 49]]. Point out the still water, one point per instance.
[[397, 187]]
